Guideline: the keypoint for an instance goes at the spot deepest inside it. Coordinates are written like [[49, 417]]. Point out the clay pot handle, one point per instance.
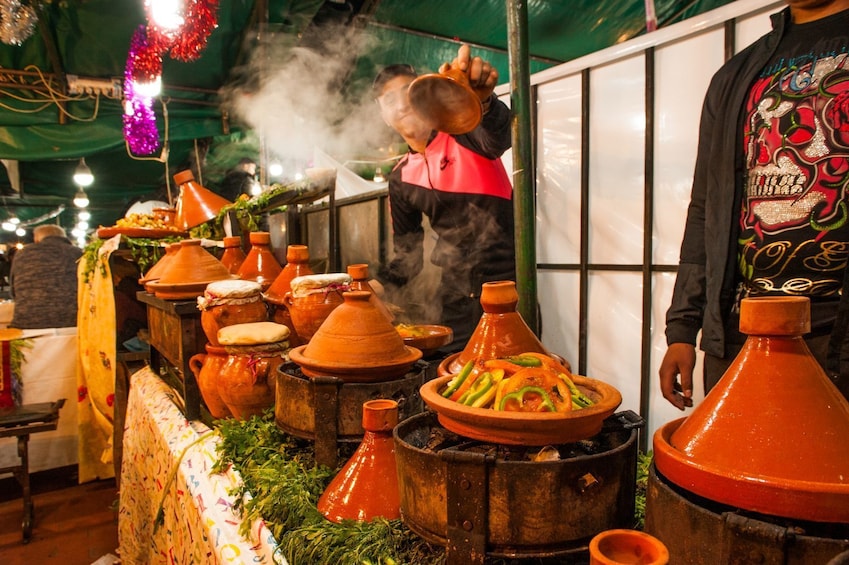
[[288, 300], [196, 363]]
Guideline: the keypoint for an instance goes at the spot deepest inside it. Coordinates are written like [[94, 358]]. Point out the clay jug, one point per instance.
[[206, 368], [196, 204], [360, 281], [367, 485], [297, 265], [247, 380], [621, 547], [260, 265], [500, 332], [233, 256], [229, 302], [770, 437], [312, 299]]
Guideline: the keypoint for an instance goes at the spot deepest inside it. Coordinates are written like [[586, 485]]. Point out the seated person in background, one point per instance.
[[44, 281]]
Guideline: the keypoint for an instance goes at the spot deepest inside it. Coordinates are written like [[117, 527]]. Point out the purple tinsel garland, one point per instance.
[[139, 118]]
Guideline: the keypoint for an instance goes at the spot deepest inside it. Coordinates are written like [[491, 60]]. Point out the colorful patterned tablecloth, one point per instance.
[[167, 462]]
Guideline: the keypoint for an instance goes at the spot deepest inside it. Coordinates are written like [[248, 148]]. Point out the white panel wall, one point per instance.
[[559, 171], [617, 161], [686, 56]]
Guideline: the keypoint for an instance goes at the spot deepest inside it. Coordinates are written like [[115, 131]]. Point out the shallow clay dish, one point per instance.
[[524, 428], [149, 233], [433, 337], [355, 373]]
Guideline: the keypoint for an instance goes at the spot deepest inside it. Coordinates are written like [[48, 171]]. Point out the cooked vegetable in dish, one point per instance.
[[530, 382]]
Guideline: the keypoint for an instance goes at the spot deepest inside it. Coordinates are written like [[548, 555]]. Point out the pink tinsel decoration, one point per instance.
[[139, 118]]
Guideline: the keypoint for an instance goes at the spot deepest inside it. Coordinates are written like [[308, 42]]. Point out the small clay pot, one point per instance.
[[229, 302], [312, 299], [619, 547], [206, 368], [446, 102], [233, 256], [165, 215]]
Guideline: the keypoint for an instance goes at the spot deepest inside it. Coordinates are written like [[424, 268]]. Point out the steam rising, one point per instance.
[[299, 103]]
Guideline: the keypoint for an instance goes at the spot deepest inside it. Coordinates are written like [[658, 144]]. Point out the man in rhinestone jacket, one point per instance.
[[459, 183]]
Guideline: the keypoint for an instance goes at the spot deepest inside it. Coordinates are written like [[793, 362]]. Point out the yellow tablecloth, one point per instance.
[[198, 524]]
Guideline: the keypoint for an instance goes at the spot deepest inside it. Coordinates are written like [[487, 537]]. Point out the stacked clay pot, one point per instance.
[[313, 298], [207, 368], [246, 382], [297, 265], [260, 265], [229, 302]]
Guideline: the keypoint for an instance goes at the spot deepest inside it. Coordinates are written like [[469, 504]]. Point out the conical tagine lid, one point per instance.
[[773, 435]]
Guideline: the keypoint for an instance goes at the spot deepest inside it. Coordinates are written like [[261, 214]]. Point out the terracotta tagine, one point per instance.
[[247, 380], [297, 265], [446, 102], [500, 332], [367, 485], [312, 299], [188, 273], [356, 343], [166, 215], [260, 265], [771, 437], [229, 302], [233, 256], [617, 547], [360, 281], [196, 204], [207, 368], [155, 272]]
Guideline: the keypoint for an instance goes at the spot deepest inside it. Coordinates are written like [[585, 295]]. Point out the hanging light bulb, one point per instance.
[[9, 225], [81, 199], [275, 169], [84, 215], [82, 174], [149, 89], [20, 232]]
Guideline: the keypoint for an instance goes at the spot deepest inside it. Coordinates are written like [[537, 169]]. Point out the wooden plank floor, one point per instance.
[[74, 524]]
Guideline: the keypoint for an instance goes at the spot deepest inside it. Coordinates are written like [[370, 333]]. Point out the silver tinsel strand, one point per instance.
[[17, 21]]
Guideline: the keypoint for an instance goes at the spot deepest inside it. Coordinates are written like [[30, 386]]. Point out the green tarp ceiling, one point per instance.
[[253, 86]]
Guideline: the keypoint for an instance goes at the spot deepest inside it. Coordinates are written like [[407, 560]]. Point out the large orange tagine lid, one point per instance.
[[500, 332], [196, 204], [188, 272], [357, 344], [297, 265], [773, 435]]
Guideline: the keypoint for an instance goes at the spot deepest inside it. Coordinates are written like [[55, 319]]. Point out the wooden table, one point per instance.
[[176, 335]]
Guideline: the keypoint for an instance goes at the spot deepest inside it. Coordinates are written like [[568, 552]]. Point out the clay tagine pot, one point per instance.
[[360, 281], [196, 204], [500, 332], [260, 265], [615, 547], [233, 256], [155, 272], [446, 102], [188, 273], [312, 299], [297, 265], [367, 485], [356, 343], [229, 302], [771, 437]]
